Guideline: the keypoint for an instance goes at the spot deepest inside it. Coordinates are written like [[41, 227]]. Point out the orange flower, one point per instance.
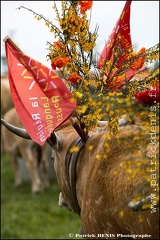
[[155, 84], [58, 44], [85, 5], [73, 21], [74, 78], [59, 62], [139, 62], [116, 83], [59, 47]]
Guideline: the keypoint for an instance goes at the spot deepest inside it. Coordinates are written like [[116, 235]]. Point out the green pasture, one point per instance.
[[27, 216]]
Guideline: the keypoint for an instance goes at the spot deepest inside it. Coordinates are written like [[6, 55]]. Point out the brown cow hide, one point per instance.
[[6, 99], [104, 188]]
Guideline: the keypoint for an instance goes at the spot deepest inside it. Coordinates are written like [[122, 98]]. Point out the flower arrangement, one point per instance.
[[102, 91]]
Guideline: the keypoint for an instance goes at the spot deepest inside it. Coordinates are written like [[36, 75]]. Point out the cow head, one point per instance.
[[65, 135], [59, 143]]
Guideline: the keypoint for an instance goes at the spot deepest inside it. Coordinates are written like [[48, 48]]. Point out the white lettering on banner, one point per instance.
[[37, 118], [40, 126], [35, 103]]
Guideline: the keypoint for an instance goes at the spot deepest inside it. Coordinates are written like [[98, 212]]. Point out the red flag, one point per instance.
[[121, 28], [42, 100]]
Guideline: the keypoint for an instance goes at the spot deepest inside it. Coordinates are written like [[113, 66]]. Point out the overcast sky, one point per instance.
[[31, 35]]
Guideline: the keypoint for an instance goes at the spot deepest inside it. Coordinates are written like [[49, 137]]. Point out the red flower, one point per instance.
[[74, 78], [147, 97], [59, 62], [85, 5]]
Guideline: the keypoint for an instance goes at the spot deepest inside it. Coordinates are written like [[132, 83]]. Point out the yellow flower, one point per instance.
[[121, 213], [98, 156], [74, 149], [90, 147], [78, 94]]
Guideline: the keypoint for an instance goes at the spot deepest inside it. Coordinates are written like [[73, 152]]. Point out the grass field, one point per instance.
[[27, 216]]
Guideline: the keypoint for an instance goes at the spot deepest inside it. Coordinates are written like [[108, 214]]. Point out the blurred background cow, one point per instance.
[[6, 99], [30, 161], [36, 158]]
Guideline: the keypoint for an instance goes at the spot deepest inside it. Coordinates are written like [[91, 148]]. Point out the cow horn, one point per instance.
[[21, 132]]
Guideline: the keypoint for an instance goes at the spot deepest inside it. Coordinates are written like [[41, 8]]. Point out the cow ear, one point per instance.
[[57, 147], [52, 140]]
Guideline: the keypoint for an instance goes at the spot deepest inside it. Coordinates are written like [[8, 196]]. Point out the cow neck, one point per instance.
[[70, 170]]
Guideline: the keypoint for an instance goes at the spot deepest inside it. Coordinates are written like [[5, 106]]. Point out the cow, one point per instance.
[[6, 99], [12, 149], [95, 184], [35, 157]]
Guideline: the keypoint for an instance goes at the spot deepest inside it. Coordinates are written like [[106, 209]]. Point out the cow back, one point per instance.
[[6, 99], [104, 185], [110, 186]]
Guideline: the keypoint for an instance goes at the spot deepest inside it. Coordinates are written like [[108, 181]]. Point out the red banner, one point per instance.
[[42, 100], [122, 28]]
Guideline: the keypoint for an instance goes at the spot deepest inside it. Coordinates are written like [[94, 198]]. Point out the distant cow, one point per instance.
[[95, 184], [6, 99], [35, 157]]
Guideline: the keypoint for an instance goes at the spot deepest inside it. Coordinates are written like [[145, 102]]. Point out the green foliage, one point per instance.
[[27, 216]]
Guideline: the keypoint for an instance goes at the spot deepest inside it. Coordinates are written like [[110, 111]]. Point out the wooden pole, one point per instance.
[[7, 38]]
